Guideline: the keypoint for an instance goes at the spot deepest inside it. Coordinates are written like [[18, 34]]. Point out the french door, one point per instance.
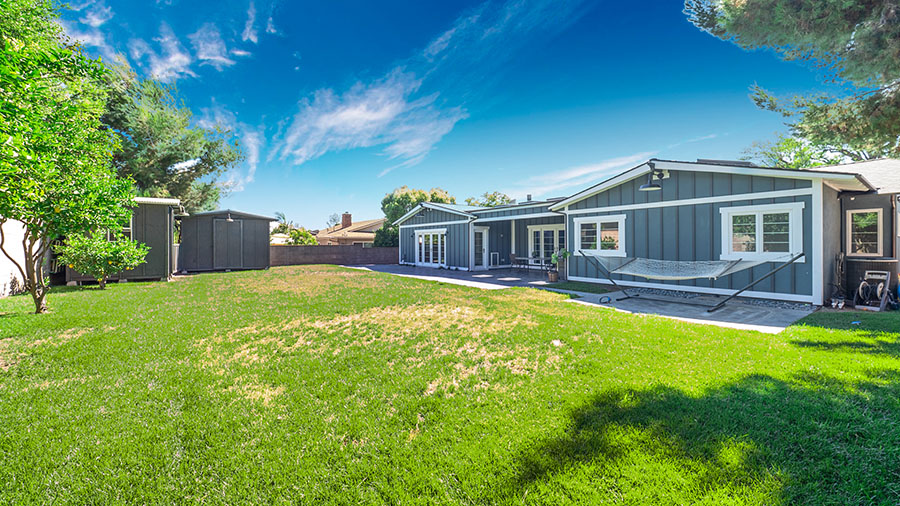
[[431, 248], [544, 241], [480, 247]]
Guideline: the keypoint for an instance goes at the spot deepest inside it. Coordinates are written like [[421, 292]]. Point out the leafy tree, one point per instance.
[[490, 199], [401, 201], [55, 159], [301, 237], [284, 225], [333, 220], [790, 153], [99, 257], [162, 151], [857, 41]]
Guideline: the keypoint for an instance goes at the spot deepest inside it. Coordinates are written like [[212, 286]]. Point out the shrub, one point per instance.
[[301, 237], [99, 257]]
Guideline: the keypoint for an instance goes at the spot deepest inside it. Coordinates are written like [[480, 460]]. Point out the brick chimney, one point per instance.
[[346, 220]]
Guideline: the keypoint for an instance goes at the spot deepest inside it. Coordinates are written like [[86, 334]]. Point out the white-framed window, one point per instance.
[[865, 232], [762, 232], [126, 230], [431, 246], [601, 235], [544, 241]]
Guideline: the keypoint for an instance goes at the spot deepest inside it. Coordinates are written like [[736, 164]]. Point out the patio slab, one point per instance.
[[740, 313]]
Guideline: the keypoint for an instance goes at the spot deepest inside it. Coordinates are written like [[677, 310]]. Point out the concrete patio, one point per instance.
[[740, 313]]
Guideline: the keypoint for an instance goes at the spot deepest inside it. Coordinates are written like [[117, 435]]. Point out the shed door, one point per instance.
[[228, 240]]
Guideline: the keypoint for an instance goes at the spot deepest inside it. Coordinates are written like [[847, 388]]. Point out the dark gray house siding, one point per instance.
[[888, 261], [689, 185], [457, 242], [152, 225], [210, 242], [694, 232]]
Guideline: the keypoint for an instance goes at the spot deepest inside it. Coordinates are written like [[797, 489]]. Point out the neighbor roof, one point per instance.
[[354, 231], [883, 173]]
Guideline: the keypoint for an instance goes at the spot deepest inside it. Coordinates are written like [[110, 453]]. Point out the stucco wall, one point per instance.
[[10, 279]]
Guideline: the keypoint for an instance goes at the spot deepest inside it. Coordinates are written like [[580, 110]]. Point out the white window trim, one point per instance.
[[795, 217], [129, 229], [559, 228], [442, 238], [848, 241], [598, 220]]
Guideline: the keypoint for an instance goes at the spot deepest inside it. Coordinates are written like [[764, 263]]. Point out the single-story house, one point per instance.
[[349, 232], [718, 224]]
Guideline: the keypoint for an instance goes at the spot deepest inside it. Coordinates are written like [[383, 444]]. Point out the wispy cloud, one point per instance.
[[549, 184], [693, 140], [249, 32], [96, 14], [410, 108], [252, 140], [270, 26], [378, 113], [210, 48], [171, 62]]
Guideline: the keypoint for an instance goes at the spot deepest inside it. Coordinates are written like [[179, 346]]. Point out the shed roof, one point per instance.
[[157, 201], [242, 214]]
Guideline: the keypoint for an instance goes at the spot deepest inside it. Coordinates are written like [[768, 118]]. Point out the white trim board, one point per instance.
[[797, 192], [436, 224], [518, 217], [701, 289], [429, 205], [619, 219]]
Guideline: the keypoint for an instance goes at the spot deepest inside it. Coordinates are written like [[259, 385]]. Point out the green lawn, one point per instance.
[[321, 385], [578, 286]]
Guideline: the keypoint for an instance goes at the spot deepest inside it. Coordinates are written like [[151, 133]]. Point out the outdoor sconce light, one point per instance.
[[650, 185], [229, 219]]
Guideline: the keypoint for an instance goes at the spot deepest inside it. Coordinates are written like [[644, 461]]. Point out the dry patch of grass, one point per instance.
[[12, 350]]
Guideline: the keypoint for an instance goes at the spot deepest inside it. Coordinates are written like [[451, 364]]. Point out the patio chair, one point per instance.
[[515, 261]]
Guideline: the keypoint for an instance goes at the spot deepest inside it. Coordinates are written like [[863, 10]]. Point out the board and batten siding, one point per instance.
[[456, 248], [512, 212], [694, 231]]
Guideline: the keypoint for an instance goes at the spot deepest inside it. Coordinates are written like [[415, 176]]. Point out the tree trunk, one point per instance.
[[102, 283], [32, 271]]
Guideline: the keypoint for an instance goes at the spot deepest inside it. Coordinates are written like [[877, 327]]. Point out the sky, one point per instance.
[[337, 103]]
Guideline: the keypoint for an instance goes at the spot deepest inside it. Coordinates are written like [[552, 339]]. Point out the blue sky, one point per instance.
[[336, 103]]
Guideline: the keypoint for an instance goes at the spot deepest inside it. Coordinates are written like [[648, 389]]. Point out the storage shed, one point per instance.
[[153, 224], [224, 240]]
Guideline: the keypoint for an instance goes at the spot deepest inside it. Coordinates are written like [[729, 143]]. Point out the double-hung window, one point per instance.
[[864, 232], [126, 231], [765, 232], [601, 235]]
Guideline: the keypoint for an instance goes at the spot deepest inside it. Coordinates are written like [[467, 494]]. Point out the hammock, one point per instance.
[[681, 269], [676, 270]]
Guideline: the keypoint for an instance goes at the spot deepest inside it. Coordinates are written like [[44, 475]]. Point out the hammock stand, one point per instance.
[[644, 267]]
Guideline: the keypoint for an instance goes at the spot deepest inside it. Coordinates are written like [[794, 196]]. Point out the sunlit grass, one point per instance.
[[320, 385]]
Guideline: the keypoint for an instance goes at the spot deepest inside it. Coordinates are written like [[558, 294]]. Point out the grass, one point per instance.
[[578, 286], [320, 385]]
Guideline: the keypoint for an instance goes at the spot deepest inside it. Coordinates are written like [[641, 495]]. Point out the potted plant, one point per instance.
[[558, 259]]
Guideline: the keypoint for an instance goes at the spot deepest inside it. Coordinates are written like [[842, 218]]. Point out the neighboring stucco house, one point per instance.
[[708, 211], [349, 232], [11, 281]]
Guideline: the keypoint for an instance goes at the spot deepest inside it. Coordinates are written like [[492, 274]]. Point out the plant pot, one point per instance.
[[553, 276]]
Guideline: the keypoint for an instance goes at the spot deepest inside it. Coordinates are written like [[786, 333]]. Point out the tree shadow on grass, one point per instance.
[[811, 440]]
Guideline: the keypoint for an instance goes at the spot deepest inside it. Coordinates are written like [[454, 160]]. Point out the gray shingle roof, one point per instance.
[[883, 173]]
